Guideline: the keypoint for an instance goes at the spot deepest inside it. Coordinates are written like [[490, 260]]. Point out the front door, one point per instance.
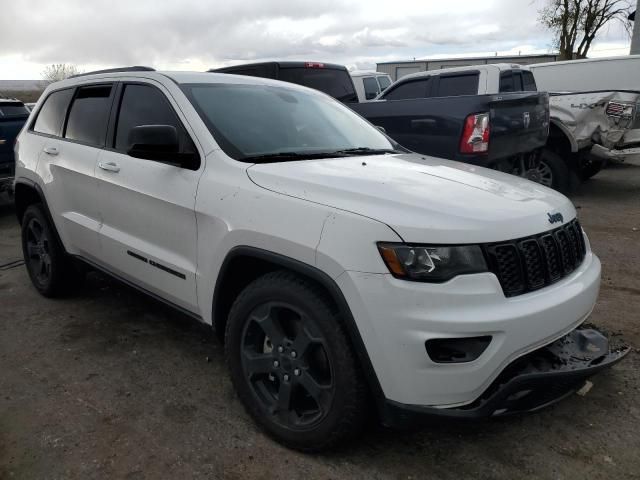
[[149, 231]]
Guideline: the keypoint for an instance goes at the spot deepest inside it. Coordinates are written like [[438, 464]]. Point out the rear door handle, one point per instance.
[[51, 150], [109, 166]]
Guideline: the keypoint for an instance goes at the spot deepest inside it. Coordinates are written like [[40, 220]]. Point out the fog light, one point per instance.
[[456, 350]]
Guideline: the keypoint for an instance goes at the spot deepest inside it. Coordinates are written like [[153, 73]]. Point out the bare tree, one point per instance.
[[576, 23], [59, 71]]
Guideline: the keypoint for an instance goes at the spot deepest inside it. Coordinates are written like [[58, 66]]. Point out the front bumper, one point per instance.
[[395, 319], [534, 381]]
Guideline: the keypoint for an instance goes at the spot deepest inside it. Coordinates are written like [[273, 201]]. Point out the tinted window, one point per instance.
[[146, 105], [253, 120], [455, 85], [384, 83], [517, 81], [507, 82], [410, 89], [334, 82], [51, 115], [89, 115], [529, 82], [12, 110], [265, 71], [370, 87]]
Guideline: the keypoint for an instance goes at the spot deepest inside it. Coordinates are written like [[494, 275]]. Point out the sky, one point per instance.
[[200, 34]]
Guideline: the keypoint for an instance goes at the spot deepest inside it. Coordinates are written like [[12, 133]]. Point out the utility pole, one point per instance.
[[635, 38]]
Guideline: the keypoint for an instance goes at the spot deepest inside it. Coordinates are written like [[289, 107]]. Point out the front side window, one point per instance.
[[89, 115], [146, 105], [250, 121], [409, 90], [51, 115], [370, 87]]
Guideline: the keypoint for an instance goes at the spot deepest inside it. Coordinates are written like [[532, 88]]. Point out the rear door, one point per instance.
[[149, 231], [68, 160]]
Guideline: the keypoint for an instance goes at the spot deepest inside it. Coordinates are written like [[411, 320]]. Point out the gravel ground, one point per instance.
[[110, 384]]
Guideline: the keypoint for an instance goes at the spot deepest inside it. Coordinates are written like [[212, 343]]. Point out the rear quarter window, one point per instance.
[[51, 115]]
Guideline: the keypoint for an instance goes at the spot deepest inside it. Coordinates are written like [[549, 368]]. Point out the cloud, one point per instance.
[[193, 33]]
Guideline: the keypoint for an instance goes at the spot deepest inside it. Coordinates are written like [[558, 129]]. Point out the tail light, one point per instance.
[[475, 136], [313, 65]]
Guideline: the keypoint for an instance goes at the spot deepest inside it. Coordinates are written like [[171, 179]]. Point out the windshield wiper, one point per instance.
[[366, 151], [284, 156]]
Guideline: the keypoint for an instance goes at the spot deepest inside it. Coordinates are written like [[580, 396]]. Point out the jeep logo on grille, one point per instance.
[[555, 217]]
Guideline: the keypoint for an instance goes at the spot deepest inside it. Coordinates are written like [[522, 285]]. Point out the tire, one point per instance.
[[292, 364], [590, 167], [50, 269], [553, 163]]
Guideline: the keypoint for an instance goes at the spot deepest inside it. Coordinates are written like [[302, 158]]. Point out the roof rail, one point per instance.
[[136, 68]]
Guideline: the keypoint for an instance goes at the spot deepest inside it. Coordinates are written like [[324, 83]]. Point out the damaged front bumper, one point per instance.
[[533, 381]]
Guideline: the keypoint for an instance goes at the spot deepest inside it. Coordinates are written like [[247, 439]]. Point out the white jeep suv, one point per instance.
[[345, 274]]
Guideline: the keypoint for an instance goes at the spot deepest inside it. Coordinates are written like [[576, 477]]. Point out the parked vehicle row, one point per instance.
[[344, 273]]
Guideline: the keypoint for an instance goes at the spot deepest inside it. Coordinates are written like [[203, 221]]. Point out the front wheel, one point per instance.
[[292, 365]]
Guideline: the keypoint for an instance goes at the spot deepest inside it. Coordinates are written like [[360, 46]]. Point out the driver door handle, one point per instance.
[[109, 166]]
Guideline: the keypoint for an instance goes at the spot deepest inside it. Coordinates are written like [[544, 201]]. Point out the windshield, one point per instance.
[[250, 121]]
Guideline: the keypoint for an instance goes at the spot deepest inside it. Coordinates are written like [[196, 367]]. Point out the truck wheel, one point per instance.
[[551, 171], [292, 365], [49, 268]]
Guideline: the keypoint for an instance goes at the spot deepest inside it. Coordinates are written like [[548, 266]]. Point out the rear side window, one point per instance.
[[455, 85], [51, 115], [370, 87], [334, 82], [410, 89], [146, 105], [529, 82], [89, 115]]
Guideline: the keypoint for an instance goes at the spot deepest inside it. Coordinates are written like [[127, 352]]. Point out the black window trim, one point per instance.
[[112, 125]]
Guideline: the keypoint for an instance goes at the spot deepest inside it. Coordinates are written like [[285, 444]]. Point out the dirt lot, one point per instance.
[[110, 384]]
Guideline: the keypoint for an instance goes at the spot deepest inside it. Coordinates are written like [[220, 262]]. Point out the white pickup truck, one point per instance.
[[585, 127]]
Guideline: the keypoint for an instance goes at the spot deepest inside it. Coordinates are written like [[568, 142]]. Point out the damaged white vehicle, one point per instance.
[[588, 128]]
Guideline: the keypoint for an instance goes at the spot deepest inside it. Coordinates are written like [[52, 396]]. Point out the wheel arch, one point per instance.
[[27, 193], [561, 139], [251, 263]]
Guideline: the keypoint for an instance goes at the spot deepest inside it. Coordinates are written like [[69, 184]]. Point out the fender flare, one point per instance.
[[329, 285], [43, 199]]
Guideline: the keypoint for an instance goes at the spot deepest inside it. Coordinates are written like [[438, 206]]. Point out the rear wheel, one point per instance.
[[548, 169], [49, 268], [292, 365]]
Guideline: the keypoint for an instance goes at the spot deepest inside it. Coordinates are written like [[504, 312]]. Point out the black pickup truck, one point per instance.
[[13, 115], [443, 116]]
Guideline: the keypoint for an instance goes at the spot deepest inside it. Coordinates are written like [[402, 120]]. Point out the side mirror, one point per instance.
[[154, 142]]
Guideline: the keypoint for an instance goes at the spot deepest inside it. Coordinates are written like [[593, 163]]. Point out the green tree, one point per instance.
[[576, 23]]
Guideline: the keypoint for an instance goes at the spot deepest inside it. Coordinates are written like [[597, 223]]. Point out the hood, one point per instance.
[[424, 199]]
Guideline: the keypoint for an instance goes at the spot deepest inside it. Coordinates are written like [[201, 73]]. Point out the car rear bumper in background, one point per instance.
[[398, 319], [534, 381]]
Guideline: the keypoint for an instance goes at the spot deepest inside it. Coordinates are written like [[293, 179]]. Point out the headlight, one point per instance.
[[432, 263]]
